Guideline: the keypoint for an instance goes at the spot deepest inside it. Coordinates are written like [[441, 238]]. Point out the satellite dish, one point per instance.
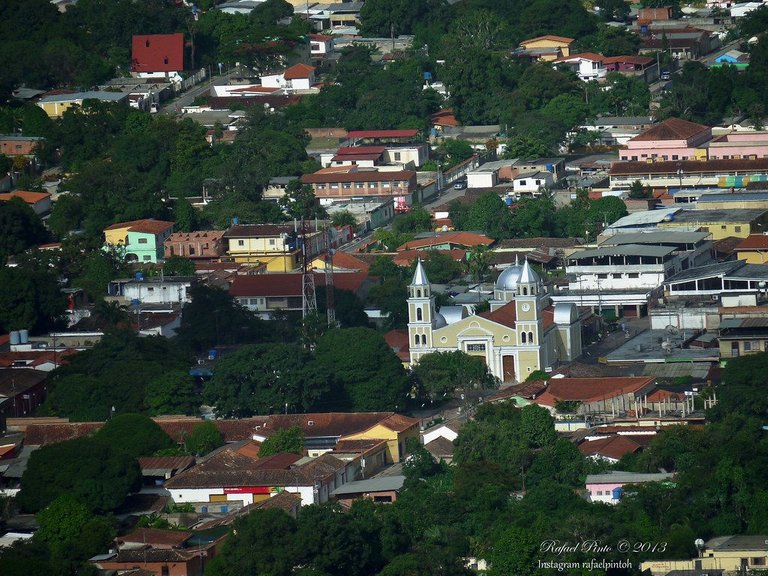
[[671, 329]]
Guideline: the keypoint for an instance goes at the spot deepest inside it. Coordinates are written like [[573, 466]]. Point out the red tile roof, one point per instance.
[[289, 284], [591, 389], [468, 239], [298, 71], [329, 424], [172, 463], [28, 197], [355, 134], [753, 242], [506, 315], [524, 390], [688, 166], [326, 177], [147, 225], [156, 538], [671, 129], [638, 60], [157, 53], [612, 447], [408, 257], [355, 157], [444, 118], [400, 343]]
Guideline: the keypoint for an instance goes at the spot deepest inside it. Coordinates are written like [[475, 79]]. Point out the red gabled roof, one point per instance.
[[157, 53], [612, 447], [298, 71], [327, 176], [407, 257], [148, 226], [592, 56], [753, 242], [382, 134], [360, 150], [468, 239], [399, 341], [591, 389], [28, 197], [444, 118], [289, 284], [671, 129], [506, 315]]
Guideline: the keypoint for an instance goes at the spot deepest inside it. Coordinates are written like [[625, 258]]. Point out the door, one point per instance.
[[508, 365]]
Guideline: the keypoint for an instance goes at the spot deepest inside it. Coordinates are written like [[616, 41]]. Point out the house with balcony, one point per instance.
[[352, 182], [715, 281], [278, 246], [587, 65], [673, 139], [141, 240], [627, 269], [691, 175]]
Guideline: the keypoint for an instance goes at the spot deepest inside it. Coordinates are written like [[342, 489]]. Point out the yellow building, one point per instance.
[[278, 246], [395, 430], [522, 332], [732, 554], [738, 223], [56, 104], [548, 48]]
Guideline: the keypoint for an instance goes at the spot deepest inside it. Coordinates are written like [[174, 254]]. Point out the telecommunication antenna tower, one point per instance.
[[308, 297], [329, 297]]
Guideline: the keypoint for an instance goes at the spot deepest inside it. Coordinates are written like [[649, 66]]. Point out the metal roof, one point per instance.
[[620, 477], [735, 197], [378, 484], [656, 237], [708, 271], [624, 250], [645, 217], [751, 271], [724, 215], [94, 95]]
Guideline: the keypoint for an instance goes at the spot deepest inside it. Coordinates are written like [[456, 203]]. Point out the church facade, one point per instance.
[[522, 332]]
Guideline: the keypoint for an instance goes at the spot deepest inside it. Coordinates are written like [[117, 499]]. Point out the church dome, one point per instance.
[[440, 321], [509, 278]]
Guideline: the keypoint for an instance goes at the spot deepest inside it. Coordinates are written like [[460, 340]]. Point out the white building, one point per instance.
[[297, 77], [588, 66], [485, 176], [170, 290], [532, 182]]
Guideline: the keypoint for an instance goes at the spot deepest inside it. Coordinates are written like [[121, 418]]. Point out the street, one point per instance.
[[174, 105]]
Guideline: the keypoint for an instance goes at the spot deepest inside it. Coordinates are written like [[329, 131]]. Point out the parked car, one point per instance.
[[665, 75], [460, 185]]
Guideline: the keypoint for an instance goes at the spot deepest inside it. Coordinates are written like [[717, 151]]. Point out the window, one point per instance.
[[747, 346], [334, 186], [418, 314], [397, 156], [530, 337], [386, 184], [738, 229], [347, 185], [538, 182], [602, 276], [424, 339], [523, 183], [416, 339], [475, 347], [633, 275], [524, 337], [360, 185], [147, 257], [674, 157], [165, 60], [241, 242], [191, 250], [271, 241], [142, 240], [722, 227], [146, 44], [634, 158], [320, 186]]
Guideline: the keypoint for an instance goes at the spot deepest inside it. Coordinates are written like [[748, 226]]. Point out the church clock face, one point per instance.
[[526, 307]]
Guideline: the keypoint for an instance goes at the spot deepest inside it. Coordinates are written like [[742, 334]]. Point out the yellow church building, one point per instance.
[[522, 332]]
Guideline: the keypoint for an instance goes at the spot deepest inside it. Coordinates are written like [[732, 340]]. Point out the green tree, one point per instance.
[[366, 374], [263, 378], [71, 531], [98, 269], [637, 191], [343, 218], [270, 531], [440, 267], [20, 228], [29, 299], [172, 392], [185, 215], [283, 440], [204, 438], [299, 202], [490, 215], [134, 434], [416, 220], [179, 266], [443, 373], [97, 473]]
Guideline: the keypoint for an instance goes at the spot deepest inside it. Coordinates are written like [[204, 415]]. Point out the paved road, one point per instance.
[[174, 106]]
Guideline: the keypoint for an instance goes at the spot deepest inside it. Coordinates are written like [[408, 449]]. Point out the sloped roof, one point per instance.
[[298, 71], [406, 257], [440, 447], [156, 537], [398, 422], [468, 239], [147, 225], [612, 447], [408, 133], [639, 60], [157, 53], [753, 242], [506, 315], [399, 341], [290, 284], [325, 176], [171, 463], [563, 39], [326, 424], [591, 389], [28, 197], [591, 56], [671, 129]]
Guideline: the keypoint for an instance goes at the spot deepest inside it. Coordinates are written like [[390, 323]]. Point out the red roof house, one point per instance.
[[157, 53]]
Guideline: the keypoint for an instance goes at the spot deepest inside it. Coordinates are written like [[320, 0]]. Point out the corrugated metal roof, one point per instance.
[[656, 237], [379, 484], [624, 250], [709, 271]]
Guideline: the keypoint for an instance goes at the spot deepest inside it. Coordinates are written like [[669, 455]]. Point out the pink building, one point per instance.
[[739, 146], [673, 139], [205, 244], [609, 487]]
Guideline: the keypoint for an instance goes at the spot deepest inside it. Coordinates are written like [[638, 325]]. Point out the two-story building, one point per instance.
[[351, 182], [738, 145], [587, 65], [278, 246], [738, 223], [19, 145], [200, 245], [673, 139], [56, 104], [141, 240], [623, 272]]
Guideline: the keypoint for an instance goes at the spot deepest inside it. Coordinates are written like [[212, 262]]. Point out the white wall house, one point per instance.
[[532, 182], [483, 177], [297, 77], [588, 66]]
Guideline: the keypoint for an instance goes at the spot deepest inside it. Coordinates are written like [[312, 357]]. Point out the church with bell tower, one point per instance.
[[522, 332]]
